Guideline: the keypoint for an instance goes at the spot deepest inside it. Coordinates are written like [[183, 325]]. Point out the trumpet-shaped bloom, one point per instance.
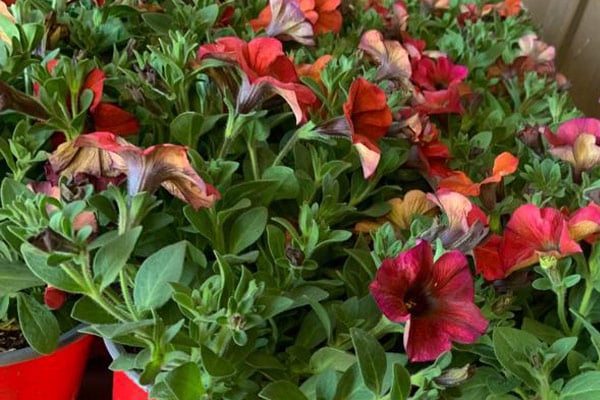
[[267, 72], [391, 56], [321, 16], [368, 117], [530, 233], [438, 74], [286, 20], [506, 8], [5, 13], [163, 165], [532, 47], [436, 300], [577, 142]]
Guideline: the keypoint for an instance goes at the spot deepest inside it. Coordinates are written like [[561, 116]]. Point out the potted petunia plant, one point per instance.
[[306, 199]]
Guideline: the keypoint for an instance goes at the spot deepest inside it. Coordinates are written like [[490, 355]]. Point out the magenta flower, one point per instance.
[[436, 300]]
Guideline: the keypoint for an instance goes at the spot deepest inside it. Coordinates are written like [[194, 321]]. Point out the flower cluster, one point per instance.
[[272, 199]]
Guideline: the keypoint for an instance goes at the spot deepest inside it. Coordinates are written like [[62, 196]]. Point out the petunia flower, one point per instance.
[[286, 20], [402, 212], [531, 232], [5, 13], [390, 55], [105, 116], [584, 223], [577, 141], [504, 164], [467, 223], [427, 152], [506, 8], [266, 72], [368, 117], [315, 69], [436, 300], [300, 17], [438, 74], [163, 165], [532, 47]]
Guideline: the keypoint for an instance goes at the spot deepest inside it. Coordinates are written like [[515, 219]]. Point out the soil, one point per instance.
[[11, 340]]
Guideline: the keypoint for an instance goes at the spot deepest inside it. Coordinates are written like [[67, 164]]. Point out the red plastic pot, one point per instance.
[[126, 384], [27, 375]]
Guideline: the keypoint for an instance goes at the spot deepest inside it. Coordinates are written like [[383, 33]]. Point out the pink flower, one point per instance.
[[163, 165], [436, 300], [286, 20], [577, 142], [585, 223], [391, 56]]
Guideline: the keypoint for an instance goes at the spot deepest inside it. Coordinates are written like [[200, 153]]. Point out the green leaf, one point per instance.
[[112, 257], [37, 262], [113, 331], [15, 277], [10, 190], [330, 358], [38, 324], [247, 229], [287, 185], [86, 310], [371, 359], [514, 349], [558, 351], [185, 128], [182, 383], [215, 365], [152, 289], [583, 387], [282, 390], [160, 22], [401, 383]]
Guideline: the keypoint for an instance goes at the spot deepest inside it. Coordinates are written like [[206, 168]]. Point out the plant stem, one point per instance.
[[583, 307], [253, 159], [289, 145], [126, 294], [562, 317]]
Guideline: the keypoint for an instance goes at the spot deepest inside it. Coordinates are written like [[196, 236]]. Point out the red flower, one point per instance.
[[368, 117], [163, 165], [428, 152], [530, 233], [389, 54], [436, 300], [106, 116], [267, 71]]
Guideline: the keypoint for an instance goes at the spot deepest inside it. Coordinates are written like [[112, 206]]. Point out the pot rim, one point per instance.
[[28, 353], [115, 350]]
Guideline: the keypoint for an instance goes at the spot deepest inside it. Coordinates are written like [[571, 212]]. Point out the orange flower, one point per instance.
[[368, 117], [315, 69], [507, 8], [458, 181], [163, 165]]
